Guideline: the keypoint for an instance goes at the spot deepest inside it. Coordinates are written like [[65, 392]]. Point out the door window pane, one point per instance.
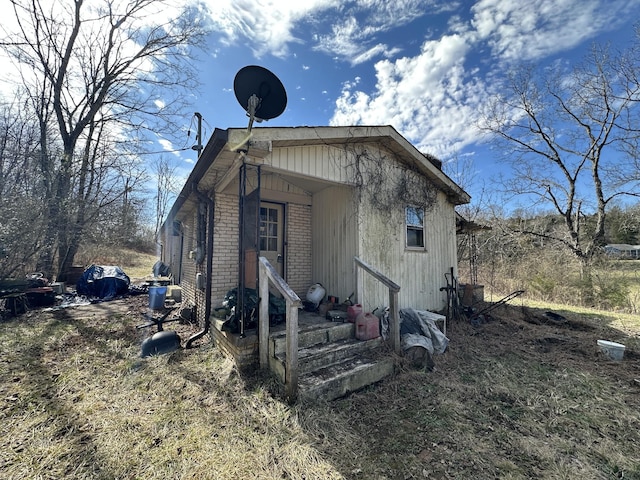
[[268, 229]]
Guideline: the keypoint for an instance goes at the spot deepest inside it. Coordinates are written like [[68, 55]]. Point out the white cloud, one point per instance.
[[353, 38], [430, 98], [534, 29], [433, 98], [267, 25], [168, 146]]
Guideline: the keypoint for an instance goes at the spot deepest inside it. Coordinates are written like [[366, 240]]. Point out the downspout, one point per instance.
[[209, 269]]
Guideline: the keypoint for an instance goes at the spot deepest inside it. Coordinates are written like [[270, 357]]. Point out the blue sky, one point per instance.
[[425, 67]]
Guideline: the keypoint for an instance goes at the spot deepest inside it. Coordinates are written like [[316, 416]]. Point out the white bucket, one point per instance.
[[615, 351], [157, 296]]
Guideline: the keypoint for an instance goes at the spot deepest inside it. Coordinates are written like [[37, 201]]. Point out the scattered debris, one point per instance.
[[482, 316]]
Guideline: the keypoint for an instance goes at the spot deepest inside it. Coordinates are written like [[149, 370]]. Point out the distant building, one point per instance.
[[623, 250]]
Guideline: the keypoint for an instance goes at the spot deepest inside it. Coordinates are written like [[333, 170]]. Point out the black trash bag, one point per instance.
[[250, 305], [161, 269], [277, 309], [104, 282]]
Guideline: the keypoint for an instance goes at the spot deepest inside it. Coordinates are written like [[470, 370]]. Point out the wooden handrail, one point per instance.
[[269, 274], [394, 310]]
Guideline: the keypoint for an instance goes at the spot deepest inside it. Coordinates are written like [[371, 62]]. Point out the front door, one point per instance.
[[272, 234]]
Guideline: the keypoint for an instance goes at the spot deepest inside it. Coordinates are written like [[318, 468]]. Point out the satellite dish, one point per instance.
[[260, 93]]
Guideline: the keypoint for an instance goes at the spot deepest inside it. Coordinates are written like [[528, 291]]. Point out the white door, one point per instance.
[[272, 234]]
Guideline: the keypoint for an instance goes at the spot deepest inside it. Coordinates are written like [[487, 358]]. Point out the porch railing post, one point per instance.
[[263, 317], [269, 274], [291, 368], [394, 310]]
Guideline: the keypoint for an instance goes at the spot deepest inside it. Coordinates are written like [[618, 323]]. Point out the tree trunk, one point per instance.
[[586, 282]]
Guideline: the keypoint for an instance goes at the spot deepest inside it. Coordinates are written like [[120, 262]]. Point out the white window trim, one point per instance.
[[422, 248]]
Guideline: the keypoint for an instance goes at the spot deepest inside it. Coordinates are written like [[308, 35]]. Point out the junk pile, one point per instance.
[[32, 291], [229, 310]]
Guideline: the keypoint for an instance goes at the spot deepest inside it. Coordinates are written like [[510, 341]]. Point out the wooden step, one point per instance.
[[331, 361]]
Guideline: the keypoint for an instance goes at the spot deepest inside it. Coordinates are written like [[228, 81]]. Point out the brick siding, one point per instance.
[[298, 274]]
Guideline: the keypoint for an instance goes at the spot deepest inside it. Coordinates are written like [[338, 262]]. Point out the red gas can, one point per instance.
[[367, 326], [353, 311]]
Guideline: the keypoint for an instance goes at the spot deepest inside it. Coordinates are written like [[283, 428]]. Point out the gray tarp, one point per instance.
[[418, 330]]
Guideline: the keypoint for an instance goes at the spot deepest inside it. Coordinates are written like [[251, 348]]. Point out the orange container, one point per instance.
[[367, 326], [353, 311]]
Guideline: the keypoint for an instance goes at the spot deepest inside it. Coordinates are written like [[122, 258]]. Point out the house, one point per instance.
[[622, 250], [358, 210]]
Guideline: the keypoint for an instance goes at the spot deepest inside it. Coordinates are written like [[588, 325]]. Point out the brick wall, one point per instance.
[[298, 274], [225, 265], [225, 247]]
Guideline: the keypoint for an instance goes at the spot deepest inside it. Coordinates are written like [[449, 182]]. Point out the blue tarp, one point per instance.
[[103, 282]]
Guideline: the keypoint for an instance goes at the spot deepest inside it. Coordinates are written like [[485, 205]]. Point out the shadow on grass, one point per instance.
[[49, 427]]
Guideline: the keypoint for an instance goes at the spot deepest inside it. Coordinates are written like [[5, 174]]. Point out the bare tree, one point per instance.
[[167, 188], [98, 76], [566, 135], [21, 218]]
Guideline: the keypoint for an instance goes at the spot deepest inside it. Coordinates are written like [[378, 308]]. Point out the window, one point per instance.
[[268, 229], [415, 227]]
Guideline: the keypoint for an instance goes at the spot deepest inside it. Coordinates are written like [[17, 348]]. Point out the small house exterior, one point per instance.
[[310, 200]]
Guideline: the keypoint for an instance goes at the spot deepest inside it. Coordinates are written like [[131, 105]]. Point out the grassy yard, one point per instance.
[[516, 397], [627, 272]]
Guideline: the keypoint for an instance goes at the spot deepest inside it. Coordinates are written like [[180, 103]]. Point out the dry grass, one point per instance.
[[135, 264], [515, 398]]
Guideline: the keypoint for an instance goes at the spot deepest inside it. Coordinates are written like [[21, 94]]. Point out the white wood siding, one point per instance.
[[317, 161], [334, 240], [420, 274], [273, 182]]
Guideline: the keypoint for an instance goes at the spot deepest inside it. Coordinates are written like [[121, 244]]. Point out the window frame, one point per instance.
[[415, 227]]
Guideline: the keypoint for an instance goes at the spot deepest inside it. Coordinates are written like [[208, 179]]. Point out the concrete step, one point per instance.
[[323, 354], [325, 332], [331, 361], [347, 376]]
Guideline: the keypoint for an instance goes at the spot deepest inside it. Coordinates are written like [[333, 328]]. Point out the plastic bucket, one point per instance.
[[615, 351], [157, 296], [175, 292]]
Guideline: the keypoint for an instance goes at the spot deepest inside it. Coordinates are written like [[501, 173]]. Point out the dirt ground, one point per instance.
[[134, 307], [558, 338]]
